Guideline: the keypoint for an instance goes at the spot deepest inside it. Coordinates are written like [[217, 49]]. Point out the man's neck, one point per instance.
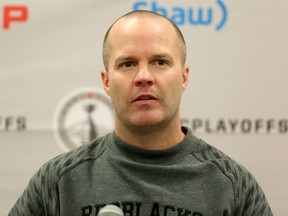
[[151, 138]]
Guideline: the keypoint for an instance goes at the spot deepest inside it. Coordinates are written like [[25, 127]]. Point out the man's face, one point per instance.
[[146, 76]]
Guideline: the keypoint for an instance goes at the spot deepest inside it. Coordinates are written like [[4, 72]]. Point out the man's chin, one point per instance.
[[146, 121], [148, 125]]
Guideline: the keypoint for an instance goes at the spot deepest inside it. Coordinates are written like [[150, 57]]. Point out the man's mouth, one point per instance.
[[144, 97]]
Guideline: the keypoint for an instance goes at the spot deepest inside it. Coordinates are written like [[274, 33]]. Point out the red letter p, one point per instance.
[[14, 14]]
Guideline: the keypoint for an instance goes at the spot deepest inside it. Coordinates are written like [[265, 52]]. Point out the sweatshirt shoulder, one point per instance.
[[48, 176], [71, 159], [207, 153], [239, 176]]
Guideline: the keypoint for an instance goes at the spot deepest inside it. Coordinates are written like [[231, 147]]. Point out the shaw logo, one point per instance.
[[82, 116], [12, 14], [198, 15]]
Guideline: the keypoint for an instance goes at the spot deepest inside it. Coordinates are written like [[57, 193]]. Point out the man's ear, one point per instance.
[[105, 81], [185, 78]]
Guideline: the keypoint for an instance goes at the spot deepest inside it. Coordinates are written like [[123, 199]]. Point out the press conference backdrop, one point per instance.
[[51, 98]]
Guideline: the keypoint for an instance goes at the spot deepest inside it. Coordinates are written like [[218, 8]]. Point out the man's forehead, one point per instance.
[[137, 21], [138, 26]]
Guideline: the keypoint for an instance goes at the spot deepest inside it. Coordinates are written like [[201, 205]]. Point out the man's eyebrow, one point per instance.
[[124, 58], [163, 55]]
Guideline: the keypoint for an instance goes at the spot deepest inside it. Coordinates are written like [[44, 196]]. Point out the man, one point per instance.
[[149, 165]]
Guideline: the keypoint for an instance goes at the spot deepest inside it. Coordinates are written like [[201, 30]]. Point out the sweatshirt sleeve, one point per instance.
[[250, 199], [40, 196]]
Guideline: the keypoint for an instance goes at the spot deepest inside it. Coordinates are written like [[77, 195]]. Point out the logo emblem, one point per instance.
[[82, 116]]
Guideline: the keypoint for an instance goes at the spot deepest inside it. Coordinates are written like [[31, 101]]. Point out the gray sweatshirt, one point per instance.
[[189, 179]]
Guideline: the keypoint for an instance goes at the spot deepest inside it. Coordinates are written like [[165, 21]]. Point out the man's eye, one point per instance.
[[127, 64], [160, 62]]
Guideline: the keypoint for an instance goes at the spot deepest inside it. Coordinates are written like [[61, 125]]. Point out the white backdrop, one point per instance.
[[50, 87]]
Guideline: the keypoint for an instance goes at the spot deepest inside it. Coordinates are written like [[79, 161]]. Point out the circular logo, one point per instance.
[[82, 116]]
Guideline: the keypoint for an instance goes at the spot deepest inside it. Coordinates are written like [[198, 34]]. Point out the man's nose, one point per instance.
[[144, 77]]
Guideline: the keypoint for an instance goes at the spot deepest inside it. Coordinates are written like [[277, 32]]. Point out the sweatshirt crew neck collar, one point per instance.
[[165, 156]]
